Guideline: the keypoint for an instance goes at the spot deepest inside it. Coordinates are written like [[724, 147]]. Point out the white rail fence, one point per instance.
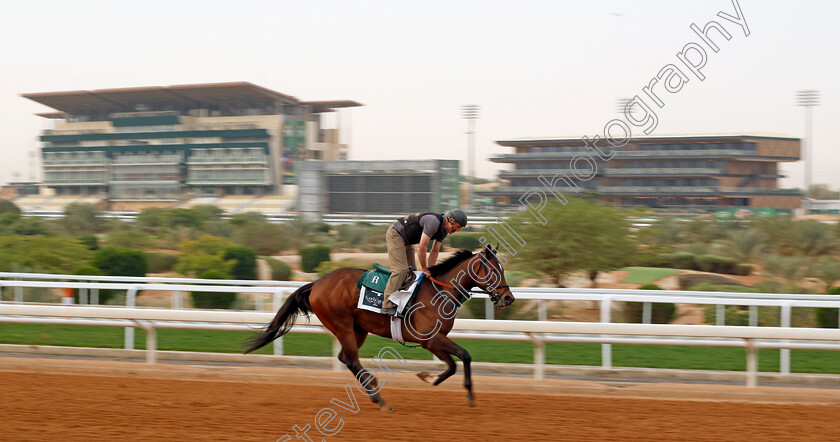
[[604, 298], [538, 332]]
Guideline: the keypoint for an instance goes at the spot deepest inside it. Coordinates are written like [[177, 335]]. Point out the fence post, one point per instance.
[[606, 349], [489, 312], [94, 296], [18, 294], [276, 303], [151, 340], [130, 301], [753, 316], [752, 364], [647, 312], [178, 300], [720, 314], [784, 354], [539, 356], [543, 313]]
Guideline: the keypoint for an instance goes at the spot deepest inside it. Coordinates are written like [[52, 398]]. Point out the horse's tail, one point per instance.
[[285, 318]]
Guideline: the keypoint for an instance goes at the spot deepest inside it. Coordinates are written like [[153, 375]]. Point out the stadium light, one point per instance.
[[808, 98], [470, 113]]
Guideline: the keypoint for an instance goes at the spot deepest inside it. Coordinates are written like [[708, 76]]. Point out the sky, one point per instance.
[[536, 68]]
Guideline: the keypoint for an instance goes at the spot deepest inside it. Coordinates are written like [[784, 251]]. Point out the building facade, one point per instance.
[[377, 187], [165, 143], [665, 171]]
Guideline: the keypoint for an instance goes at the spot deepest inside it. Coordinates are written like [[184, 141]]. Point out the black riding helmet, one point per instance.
[[459, 216]]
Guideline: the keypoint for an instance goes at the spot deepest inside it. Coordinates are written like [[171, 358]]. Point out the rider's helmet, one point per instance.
[[459, 215]]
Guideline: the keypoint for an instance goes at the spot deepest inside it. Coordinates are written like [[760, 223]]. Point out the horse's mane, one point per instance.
[[451, 262]]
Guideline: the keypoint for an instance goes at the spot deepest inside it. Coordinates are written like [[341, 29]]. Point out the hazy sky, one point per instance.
[[536, 68]]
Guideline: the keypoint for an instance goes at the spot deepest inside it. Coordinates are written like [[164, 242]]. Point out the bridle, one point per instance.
[[495, 296]]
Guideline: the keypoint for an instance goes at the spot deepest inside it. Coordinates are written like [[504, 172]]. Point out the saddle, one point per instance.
[[377, 278], [372, 285]]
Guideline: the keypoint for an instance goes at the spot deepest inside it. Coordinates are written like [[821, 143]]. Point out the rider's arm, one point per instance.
[[421, 252], [434, 253]]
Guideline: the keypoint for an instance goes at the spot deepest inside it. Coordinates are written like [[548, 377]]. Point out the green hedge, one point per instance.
[[280, 271], [311, 257], [245, 266], [661, 312], [827, 317], [120, 261], [160, 262], [690, 261], [213, 300]]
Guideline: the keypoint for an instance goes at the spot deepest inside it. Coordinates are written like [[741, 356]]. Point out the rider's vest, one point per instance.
[[412, 231]]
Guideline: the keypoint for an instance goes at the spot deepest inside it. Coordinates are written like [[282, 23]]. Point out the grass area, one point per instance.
[[653, 356], [646, 275]]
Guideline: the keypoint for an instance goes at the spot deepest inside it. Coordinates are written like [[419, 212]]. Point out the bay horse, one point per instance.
[[334, 297]]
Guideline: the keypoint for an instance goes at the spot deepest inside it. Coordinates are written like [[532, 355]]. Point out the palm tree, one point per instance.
[[746, 244], [828, 270]]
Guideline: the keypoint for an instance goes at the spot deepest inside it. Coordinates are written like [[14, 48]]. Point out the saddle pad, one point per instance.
[[374, 279], [371, 300]]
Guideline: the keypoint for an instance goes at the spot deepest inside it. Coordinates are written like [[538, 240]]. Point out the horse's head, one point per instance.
[[489, 275]]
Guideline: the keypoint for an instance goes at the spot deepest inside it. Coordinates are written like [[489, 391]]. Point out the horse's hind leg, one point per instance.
[[444, 348], [349, 355]]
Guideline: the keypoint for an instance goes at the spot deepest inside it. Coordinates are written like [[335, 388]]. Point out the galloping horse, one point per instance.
[[428, 320]]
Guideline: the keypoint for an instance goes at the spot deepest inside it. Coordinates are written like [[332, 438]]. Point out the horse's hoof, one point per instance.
[[387, 408], [470, 402], [424, 376]]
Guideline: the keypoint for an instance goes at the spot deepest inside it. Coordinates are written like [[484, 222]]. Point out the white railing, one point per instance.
[[538, 332], [603, 297]]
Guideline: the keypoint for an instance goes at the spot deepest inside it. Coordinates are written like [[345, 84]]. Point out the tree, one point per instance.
[[151, 217], [204, 254], [245, 265], [81, 219], [745, 245], [579, 235], [11, 223], [822, 192], [265, 238], [47, 254], [7, 206], [120, 261], [828, 270]]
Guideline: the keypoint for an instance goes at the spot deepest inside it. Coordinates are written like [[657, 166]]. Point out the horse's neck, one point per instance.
[[451, 277]]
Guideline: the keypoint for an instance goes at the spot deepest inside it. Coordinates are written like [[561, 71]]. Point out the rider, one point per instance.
[[419, 228]]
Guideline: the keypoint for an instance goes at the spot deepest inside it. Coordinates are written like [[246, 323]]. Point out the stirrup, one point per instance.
[[389, 311]]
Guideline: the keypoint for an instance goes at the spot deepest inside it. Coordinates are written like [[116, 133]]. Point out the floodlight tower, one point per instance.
[[808, 98], [470, 113]]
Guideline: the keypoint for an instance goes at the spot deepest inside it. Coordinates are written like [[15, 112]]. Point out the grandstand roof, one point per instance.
[[233, 94]]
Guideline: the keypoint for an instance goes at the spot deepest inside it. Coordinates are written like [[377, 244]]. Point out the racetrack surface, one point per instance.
[[49, 399]]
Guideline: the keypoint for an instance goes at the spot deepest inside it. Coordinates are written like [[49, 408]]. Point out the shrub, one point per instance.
[[692, 279], [715, 264], [280, 271], [467, 241], [104, 294], [661, 313], [89, 241], [213, 300], [743, 269], [707, 287], [312, 256], [329, 266], [160, 262], [119, 261], [245, 265], [827, 317]]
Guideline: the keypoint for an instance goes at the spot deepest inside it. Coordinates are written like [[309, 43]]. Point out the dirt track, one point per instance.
[[41, 401]]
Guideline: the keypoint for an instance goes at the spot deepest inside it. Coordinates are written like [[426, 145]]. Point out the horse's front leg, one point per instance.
[[444, 348]]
